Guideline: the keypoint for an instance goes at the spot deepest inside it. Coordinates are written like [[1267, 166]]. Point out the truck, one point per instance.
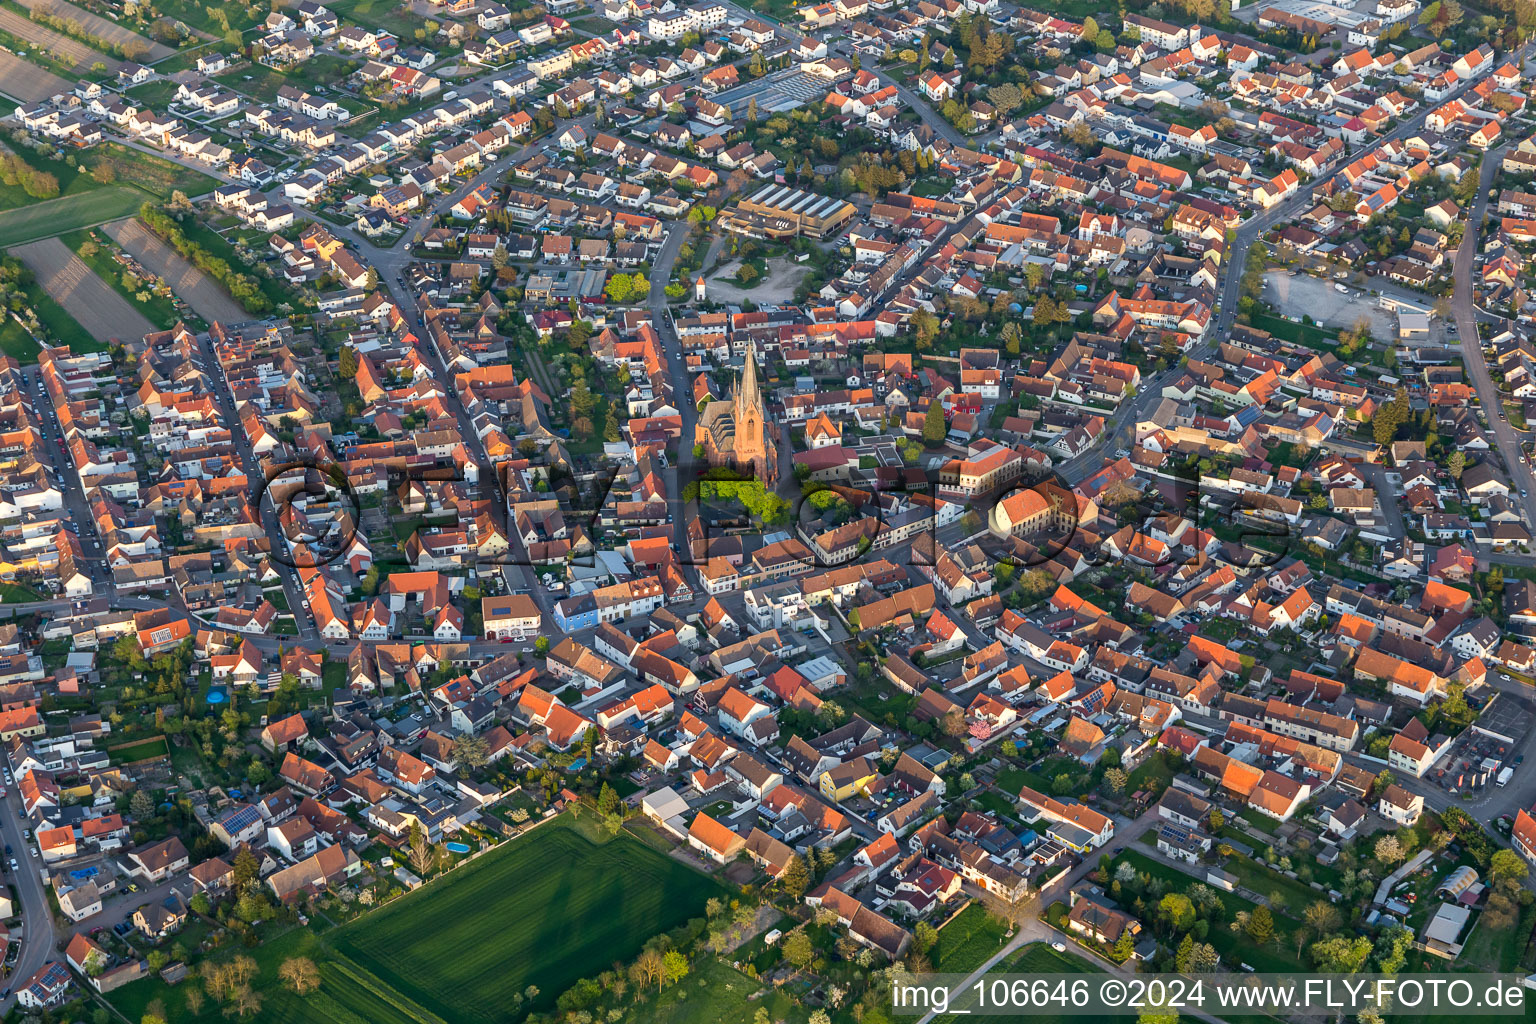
[[1341, 289], [1505, 775]]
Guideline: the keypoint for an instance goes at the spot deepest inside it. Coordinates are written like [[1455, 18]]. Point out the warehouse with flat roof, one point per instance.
[[778, 211]]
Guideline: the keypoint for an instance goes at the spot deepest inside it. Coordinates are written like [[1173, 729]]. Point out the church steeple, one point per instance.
[[749, 399]]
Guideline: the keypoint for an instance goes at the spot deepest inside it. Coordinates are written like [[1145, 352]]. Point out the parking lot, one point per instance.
[[1295, 295], [1474, 762]]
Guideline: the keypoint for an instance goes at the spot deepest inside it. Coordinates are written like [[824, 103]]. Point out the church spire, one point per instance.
[[750, 399]]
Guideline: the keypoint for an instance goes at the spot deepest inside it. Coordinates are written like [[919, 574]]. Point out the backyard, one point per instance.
[[968, 940]]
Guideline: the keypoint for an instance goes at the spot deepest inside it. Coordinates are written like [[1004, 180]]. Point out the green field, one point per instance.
[[69, 213], [71, 181], [546, 911], [16, 342], [966, 942], [83, 201], [339, 1000]]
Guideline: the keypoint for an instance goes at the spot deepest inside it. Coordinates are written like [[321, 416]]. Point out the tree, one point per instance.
[[421, 854], [1261, 925], [1323, 917], [1090, 29], [1184, 958], [1388, 850], [1124, 947], [541, 646], [1456, 463], [1341, 955], [798, 949], [141, 805], [934, 427], [1006, 98], [1506, 865], [244, 1001], [648, 967], [470, 751], [674, 967], [299, 974], [246, 868], [953, 723], [925, 327], [795, 879], [1115, 781], [1177, 909], [346, 363], [924, 937], [1078, 133]]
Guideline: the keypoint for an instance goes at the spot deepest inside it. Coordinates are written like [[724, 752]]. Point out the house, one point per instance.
[[158, 862], [714, 840], [1400, 806], [1099, 922]]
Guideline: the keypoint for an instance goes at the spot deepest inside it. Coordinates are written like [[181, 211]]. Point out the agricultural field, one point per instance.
[[546, 911], [23, 80], [88, 298], [70, 213]]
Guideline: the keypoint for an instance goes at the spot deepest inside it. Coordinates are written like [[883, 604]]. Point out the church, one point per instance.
[[736, 432]]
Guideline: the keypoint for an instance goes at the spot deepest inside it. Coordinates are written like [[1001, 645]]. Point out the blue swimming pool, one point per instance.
[[217, 696], [457, 847]]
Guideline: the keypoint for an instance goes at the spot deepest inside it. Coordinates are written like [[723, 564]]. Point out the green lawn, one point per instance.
[[1234, 948], [1036, 958], [17, 593], [1321, 338], [716, 993], [1259, 877], [153, 174], [546, 911], [383, 14], [16, 342], [139, 751], [966, 942]]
